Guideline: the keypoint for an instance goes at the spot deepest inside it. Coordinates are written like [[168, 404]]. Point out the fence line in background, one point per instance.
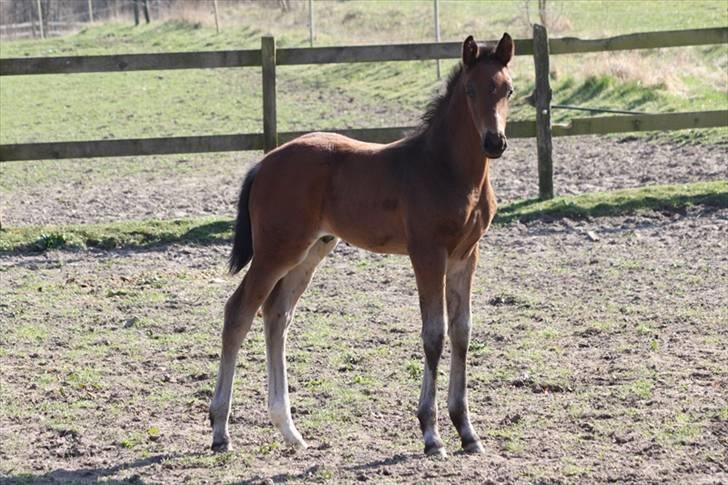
[[268, 57], [256, 141], [341, 54]]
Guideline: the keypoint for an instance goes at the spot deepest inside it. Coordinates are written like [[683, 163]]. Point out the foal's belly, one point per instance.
[[373, 231]]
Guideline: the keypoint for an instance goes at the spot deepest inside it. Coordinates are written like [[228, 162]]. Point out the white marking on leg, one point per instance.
[[278, 313], [459, 281], [240, 311]]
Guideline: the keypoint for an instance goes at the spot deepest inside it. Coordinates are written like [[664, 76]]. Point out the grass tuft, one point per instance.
[[214, 230], [667, 198]]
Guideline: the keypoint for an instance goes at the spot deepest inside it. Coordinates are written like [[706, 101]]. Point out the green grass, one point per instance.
[[618, 202], [215, 101], [119, 234], [208, 230], [365, 21], [136, 394]]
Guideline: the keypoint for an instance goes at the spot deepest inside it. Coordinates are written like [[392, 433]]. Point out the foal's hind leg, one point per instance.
[[277, 313], [240, 310], [459, 280]]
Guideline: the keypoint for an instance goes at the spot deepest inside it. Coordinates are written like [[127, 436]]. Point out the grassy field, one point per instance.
[[169, 103], [598, 355], [599, 342]]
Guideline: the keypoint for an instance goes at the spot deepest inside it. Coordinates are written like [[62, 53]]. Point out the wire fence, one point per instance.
[[45, 18]]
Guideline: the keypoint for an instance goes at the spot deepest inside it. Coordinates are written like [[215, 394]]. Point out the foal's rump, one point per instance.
[[325, 183]]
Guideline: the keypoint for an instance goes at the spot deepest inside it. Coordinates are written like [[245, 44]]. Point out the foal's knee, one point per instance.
[[459, 333], [433, 340]]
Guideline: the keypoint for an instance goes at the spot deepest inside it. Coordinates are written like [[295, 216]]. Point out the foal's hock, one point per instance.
[[428, 196]]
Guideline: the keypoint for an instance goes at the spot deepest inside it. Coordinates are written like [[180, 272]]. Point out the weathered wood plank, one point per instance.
[[653, 122], [322, 55], [237, 58], [200, 144], [254, 141], [268, 57], [544, 145], [129, 62], [641, 40], [130, 147], [376, 53], [521, 129]]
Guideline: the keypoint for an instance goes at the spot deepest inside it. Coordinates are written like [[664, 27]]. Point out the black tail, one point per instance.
[[242, 251]]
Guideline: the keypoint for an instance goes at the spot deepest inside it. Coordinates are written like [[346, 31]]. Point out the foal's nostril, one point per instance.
[[494, 143], [491, 141]]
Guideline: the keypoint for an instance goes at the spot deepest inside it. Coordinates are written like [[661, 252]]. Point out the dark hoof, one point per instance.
[[473, 447], [221, 447], [436, 449]]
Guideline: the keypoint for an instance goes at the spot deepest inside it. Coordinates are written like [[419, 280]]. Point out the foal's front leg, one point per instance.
[[459, 281], [430, 266]]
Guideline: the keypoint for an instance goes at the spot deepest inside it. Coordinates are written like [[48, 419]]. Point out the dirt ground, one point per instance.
[[599, 350], [84, 191]]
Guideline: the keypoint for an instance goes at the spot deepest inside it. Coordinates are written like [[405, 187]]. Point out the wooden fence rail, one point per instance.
[[256, 141], [268, 57], [343, 54]]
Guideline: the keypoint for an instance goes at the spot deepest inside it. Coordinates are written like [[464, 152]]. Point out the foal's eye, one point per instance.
[[510, 93]]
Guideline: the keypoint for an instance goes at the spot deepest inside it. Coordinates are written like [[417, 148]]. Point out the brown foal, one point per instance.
[[428, 196]]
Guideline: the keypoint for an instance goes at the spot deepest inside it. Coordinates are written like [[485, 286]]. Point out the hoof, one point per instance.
[[221, 447], [436, 449], [297, 444], [474, 447]]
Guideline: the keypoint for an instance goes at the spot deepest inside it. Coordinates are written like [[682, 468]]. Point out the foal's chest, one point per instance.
[[478, 218]]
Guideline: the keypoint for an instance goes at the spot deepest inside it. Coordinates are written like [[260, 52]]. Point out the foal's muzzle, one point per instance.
[[494, 144]]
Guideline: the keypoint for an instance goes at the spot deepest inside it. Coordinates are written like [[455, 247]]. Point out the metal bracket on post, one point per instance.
[[268, 58], [543, 112]]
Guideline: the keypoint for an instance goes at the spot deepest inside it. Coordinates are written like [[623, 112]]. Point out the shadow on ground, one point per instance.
[[559, 208], [93, 475], [154, 234], [157, 235]]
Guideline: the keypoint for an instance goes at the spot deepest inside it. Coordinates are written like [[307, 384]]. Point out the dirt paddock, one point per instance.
[[599, 353]]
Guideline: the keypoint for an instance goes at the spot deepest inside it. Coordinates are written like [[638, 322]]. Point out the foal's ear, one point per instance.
[[470, 51], [505, 50]]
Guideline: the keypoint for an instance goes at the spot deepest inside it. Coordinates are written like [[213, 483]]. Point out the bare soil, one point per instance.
[[116, 189], [599, 349]]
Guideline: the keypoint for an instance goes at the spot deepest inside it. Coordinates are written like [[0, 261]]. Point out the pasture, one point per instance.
[[600, 345]]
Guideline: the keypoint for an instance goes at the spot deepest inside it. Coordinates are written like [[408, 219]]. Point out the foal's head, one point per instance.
[[488, 87]]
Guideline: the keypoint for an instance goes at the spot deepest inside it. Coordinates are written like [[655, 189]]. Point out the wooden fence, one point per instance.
[[269, 57]]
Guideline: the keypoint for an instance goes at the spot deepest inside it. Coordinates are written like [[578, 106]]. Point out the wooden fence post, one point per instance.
[[90, 11], [145, 7], [437, 33], [310, 23], [268, 58], [543, 112], [217, 19], [135, 3], [40, 20]]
